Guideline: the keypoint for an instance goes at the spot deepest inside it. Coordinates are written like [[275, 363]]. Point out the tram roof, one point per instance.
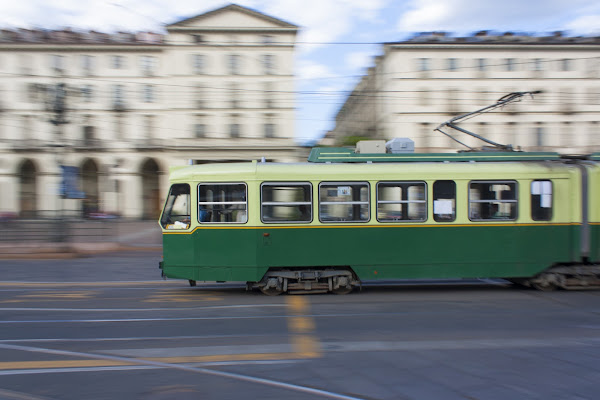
[[246, 171], [341, 154]]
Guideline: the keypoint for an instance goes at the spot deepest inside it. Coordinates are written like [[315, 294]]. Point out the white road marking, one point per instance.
[[233, 306], [223, 374]]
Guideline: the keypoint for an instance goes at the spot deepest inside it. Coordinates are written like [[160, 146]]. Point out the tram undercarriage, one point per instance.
[[295, 281], [569, 277]]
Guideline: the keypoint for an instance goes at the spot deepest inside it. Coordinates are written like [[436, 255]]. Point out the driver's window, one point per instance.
[[176, 214]]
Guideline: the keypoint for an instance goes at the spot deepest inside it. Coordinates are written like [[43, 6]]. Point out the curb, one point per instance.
[[69, 252]]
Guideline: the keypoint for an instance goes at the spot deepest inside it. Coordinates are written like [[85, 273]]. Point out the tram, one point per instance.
[[342, 218], [345, 217]]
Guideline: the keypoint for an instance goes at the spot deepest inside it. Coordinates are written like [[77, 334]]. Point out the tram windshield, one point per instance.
[[176, 214]]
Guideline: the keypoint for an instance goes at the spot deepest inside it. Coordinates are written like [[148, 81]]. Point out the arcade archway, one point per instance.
[[150, 189]]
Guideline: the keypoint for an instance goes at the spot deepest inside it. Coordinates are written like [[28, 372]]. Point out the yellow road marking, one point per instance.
[[51, 296], [14, 365], [302, 327], [304, 343]]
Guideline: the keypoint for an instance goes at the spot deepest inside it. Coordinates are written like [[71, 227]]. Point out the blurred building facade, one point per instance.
[[417, 84], [124, 107]]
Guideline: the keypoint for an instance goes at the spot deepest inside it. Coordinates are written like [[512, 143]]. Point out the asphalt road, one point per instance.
[[108, 327]]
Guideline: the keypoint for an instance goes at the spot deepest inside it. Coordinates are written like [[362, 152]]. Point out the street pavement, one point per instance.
[[108, 327]]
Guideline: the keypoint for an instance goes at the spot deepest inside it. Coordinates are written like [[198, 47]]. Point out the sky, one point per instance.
[[338, 39]]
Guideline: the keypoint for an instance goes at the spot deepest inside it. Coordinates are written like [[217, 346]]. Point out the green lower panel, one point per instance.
[[595, 243], [373, 252]]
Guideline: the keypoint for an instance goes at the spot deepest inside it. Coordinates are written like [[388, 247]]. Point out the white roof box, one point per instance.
[[400, 145]]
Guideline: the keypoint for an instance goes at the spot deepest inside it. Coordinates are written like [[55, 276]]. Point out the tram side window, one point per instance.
[[541, 200], [444, 201], [344, 202], [493, 200], [401, 201], [222, 203], [286, 202], [176, 214]]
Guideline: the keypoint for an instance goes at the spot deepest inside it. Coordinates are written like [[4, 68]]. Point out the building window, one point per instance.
[[493, 200], [148, 65], [268, 62], [25, 64], [509, 64], [541, 200], [423, 64], [87, 64], [118, 97], [148, 93], [537, 64], [423, 97], [119, 133], [197, 39], [234, 64], [594, 96], [199, 130], [401, 201], [286, 202], [539, 135], [234, 93], [57, 63], [269, 129], [149, 126], [26, 127], [199, 96], [117, 62], [267, 39], [444, 201], [222, 203], [451, 64], [344, 202], [87, 93], [268, 95], [481, 64], [199, 63], [566, 64], [234, 130]]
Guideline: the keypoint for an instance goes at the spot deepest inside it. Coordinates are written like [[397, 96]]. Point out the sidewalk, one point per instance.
[[115, 236]]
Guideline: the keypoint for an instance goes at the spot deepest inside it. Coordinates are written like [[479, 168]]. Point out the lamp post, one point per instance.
[[56, 104]]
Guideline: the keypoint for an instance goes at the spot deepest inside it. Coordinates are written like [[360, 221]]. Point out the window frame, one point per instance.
[[275, 203], [199, 203], [165, 212], [378, 202], [496, 182], [551, 199], [433, 200], [342, 183]]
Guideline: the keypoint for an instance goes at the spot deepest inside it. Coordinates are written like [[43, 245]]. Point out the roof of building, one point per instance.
[[234, 7], [495, 38]]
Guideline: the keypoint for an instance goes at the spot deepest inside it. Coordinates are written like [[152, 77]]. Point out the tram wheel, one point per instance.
[[544, 287], [342, 290], [271, 291]]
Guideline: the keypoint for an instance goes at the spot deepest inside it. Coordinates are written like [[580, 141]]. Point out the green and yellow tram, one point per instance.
[[343, 218]]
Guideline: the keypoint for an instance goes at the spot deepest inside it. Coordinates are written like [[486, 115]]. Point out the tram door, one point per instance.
[[27, 189]]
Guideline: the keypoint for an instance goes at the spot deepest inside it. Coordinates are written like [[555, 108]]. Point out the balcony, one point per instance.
[[30, 145], [89, 144], [149, 144]]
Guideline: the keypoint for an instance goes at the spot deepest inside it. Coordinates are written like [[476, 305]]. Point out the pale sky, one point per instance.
[[338, 38]]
